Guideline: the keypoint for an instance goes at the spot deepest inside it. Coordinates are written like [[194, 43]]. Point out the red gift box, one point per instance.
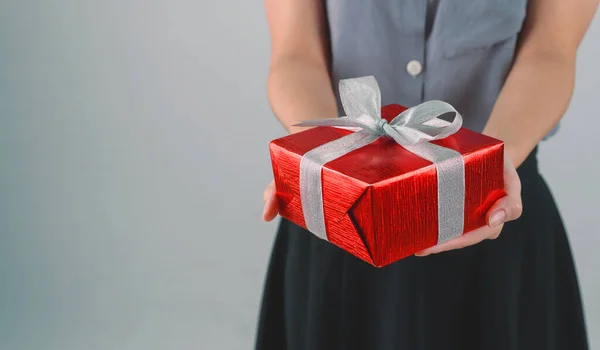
[[380, 201]]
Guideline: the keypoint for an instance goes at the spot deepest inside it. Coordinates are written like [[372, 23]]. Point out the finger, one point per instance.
[[512, 183], [269, 191], [504, 209], [271, 208], [465, 240]]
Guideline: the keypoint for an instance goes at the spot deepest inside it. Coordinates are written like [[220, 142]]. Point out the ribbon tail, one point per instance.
[[342, 122]]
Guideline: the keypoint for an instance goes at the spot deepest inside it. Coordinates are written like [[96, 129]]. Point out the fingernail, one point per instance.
[[497, 218], [421, 253]]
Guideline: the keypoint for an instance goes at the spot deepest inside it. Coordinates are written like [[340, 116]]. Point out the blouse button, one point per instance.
[[414, 68]]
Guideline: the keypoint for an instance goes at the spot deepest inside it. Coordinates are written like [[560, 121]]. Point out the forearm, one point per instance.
[[534, 98], [300, 89]]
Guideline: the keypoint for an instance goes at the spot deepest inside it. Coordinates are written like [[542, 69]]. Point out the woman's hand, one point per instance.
[[271, 208], [505, 209]]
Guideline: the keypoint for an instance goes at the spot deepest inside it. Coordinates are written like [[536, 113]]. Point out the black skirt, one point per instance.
[[519, 291]]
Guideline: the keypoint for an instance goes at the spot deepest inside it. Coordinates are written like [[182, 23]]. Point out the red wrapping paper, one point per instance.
[[380, 201]]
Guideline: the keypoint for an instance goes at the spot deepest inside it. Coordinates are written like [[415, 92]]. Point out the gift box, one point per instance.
[[385, 182]]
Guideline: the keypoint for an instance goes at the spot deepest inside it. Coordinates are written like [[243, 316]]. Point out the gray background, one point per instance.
[[133, 155]]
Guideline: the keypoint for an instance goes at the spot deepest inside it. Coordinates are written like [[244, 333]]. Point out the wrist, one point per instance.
[[295, 129], [513, 150]]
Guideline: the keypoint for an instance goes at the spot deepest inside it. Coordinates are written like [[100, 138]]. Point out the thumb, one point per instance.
[[505, 209]]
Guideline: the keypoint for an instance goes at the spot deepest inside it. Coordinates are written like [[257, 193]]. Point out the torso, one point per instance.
[[459, 51]]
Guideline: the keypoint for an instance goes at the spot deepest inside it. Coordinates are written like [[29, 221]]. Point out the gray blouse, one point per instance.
[[459, 51]]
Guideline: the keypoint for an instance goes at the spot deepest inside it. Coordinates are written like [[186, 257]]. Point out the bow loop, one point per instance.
[[361, 97], [424, 120]]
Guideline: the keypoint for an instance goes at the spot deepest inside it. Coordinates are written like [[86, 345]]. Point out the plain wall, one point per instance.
[[133, 156]]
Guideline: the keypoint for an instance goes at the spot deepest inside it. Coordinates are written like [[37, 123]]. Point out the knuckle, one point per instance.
[[517, 181], [494, 235], [518, 210]]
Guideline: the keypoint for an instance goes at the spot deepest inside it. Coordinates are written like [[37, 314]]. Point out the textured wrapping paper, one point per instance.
[[413, 129], [380, 201]]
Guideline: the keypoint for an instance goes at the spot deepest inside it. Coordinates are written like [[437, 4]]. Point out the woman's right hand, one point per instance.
[[271, 208]]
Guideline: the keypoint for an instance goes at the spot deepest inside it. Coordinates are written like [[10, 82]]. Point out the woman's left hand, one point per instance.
[[505, 209]]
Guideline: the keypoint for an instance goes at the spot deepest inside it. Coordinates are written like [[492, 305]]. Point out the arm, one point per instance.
[[540, 84], [533, 99], [299, 86]]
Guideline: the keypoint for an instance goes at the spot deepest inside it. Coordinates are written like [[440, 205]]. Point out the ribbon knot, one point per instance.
[[381, 124]]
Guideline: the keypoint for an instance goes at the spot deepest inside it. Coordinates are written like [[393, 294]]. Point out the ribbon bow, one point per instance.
[[361, 100], [412, 129]]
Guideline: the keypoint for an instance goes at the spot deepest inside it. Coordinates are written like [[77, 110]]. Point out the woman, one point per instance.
[[508, 67]]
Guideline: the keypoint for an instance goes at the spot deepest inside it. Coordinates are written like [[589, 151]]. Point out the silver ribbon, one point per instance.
[[412, 129]]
